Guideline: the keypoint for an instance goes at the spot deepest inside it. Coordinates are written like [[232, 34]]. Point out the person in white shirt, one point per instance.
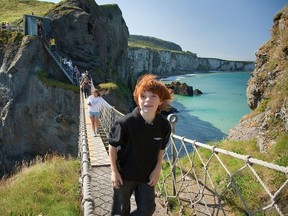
[[95, 102], [70, 64]]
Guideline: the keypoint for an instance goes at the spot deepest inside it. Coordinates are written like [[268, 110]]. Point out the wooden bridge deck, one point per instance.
[[97, 150]]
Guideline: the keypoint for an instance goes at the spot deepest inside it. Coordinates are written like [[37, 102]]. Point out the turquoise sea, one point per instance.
[[210, 116]]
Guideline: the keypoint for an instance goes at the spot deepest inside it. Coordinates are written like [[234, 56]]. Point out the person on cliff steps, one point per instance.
[[52, 44], [136, 147]]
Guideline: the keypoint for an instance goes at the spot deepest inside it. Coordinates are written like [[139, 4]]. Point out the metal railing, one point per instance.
[[12, 28], [200, 179], [56, 54], [58, 57], [107, 117]]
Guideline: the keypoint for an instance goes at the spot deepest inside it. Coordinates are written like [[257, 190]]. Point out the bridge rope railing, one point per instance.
[[198, 178], [87, 201]]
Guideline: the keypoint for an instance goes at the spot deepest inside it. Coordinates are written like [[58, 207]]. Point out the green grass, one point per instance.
[[144, 44], [108, 86], [12, 10], [117, 93], [150, 44], [46, 188], [49, 81], [9, 37]]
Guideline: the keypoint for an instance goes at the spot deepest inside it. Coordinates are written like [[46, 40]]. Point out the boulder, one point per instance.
[[180, 88], [197, 92]]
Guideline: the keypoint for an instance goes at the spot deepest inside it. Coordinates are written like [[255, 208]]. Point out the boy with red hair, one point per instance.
[[137, 142]]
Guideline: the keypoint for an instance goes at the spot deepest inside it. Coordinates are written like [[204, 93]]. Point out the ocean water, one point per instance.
[[210, 116]]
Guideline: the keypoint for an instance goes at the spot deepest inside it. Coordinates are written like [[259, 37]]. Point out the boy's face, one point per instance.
[[149, 102]]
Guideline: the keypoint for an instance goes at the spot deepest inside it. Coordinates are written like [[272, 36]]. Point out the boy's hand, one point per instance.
[[116, 179], [154, 177]]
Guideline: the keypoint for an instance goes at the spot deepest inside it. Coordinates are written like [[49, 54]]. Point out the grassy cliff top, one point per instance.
[[12, 10], [48, 186], [146, 42]]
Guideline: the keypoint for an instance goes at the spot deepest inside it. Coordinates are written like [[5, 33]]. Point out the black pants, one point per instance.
[[86, 92], [144, 197]]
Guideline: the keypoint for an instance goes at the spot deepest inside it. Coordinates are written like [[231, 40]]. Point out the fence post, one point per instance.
[[172, 118]]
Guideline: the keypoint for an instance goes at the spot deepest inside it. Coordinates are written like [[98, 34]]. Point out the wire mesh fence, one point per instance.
[[200, 179]]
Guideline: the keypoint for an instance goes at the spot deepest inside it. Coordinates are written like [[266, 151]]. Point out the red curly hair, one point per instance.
[[148, 82]]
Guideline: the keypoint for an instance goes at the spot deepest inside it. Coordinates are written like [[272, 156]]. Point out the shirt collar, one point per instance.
[[136, 114]]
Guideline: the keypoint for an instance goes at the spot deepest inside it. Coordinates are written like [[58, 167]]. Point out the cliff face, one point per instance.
[[225, 65], [94, 37], [170, 62], [267, 90], [35, 119]]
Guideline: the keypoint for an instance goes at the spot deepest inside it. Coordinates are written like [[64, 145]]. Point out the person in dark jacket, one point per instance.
[[137, 142], [85, 84]]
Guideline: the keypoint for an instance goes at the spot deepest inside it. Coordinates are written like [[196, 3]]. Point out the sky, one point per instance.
[[224, 29]]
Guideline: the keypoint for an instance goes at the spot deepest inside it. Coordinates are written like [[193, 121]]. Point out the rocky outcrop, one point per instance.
[[267, 90], [172, 62], [35, 119], [182, 89], [94, 37]]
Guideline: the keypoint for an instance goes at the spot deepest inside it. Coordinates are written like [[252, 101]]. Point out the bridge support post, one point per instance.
[[172, 118]]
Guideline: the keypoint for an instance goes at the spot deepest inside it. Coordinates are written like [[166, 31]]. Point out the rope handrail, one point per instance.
[[83, 153], [200, 192], [247, 158]]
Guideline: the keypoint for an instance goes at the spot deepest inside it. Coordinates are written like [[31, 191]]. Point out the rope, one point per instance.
[[87, 198], [190, 187]]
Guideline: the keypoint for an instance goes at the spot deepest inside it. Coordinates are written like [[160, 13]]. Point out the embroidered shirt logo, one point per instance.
[[157, 138]]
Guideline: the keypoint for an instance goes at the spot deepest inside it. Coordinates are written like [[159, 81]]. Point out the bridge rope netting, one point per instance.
[[200, 179]]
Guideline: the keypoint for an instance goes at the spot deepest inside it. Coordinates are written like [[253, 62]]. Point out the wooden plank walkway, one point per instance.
[[97, 150]]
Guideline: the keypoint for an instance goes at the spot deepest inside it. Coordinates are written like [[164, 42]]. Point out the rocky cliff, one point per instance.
[[94, 37], [167, 59], [267, 90], [38, 118], [35, 119]]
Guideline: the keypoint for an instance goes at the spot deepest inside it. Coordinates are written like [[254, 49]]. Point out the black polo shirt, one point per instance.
[[139, 144]]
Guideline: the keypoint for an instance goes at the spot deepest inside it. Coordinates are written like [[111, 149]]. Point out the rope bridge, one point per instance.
[[200, 179]]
